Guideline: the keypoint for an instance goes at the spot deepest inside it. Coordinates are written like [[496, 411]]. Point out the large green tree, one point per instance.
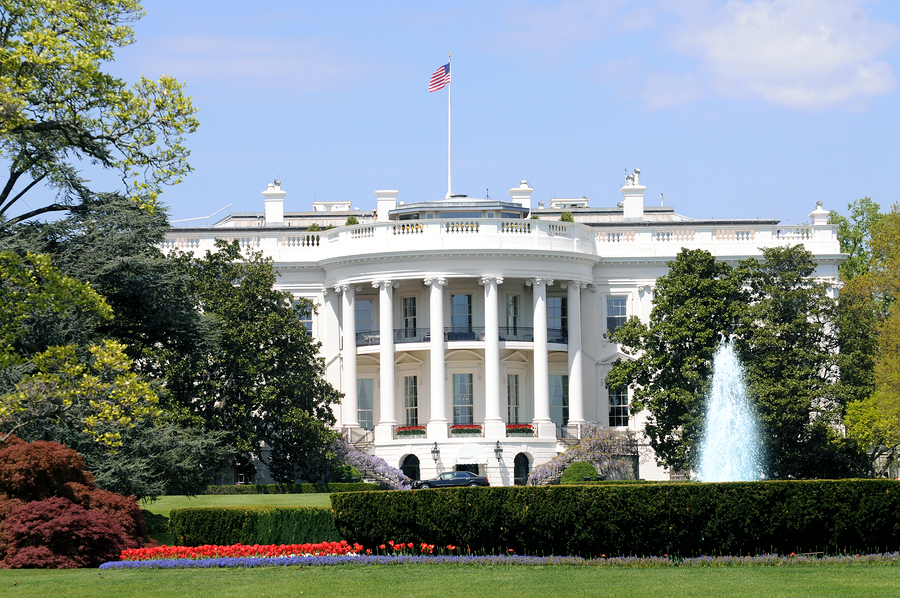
[[263, 383], [784, 325], [671, 356], [58, 106]]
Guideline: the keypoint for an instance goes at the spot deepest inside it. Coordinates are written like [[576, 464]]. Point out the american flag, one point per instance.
[[440, 78]]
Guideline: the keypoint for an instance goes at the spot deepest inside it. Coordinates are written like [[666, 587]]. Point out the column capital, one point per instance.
[[593, 288], [385, 284], [436, 281], [488, 279], [536, 282], [573, 283]]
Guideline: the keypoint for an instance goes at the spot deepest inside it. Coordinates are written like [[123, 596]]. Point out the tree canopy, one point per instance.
[[783, 324], [263, 381], [58, 106]]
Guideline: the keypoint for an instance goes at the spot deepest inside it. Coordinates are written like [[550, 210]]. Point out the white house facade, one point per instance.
[[452, 325]]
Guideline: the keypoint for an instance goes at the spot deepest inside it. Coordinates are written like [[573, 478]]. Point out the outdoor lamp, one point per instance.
[[498, 451], [436, 452]]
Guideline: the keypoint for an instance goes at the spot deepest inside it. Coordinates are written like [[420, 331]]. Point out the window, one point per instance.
[[557, 319], [615, 312], [306, 313], [559, 400], [409, 317], [618, 408], [365, 402], [512, 314], [411, 399], [512, 394], [463, 404], [364, 315], [461, 313]]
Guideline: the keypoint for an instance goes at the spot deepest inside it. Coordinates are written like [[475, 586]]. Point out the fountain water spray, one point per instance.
[[731, 450]]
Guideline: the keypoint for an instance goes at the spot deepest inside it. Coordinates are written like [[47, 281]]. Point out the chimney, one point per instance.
[[387, 201], [274, 198], [522, 195], [633, 191]]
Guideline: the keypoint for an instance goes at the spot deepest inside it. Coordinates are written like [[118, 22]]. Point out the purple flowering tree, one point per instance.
[[609, 451], [370, 466]]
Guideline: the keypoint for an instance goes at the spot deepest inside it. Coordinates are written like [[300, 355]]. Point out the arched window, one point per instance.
[[410, 467], [520, 469]]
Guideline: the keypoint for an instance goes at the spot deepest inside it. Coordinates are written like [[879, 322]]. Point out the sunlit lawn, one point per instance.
[[411, 581], [167, 503]]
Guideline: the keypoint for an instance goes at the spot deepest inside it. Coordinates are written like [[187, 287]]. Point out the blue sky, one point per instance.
[[748, 108]]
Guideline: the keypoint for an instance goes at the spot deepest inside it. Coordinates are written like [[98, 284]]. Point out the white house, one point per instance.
[[484, 313]]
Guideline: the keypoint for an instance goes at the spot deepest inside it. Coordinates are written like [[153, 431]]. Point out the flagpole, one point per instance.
[[449, 87]]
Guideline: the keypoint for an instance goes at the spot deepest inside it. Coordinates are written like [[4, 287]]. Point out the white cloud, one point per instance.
[[796, 53]]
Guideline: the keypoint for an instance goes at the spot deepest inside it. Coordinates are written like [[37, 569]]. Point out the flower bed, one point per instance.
[[766, 560], [519, 429], [240, 551], [465, 429], [411, 431]]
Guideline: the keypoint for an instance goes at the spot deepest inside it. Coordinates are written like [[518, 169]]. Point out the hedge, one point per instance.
[[292, 488], [251, 525], [741, 518]]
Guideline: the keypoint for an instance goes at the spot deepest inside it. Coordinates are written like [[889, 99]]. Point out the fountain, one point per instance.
[[731, 450]]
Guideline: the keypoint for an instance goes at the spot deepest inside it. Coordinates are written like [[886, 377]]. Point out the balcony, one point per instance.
[[412, 335], [462, 333]]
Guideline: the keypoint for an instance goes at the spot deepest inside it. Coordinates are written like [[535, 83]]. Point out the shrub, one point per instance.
[[56, 533], [609, 448], [576, 472], [252, 525], [351, 220], [293, 488], [686, 519], [313, 227], [38, 470], [346, 473], [156, 524], [566, 217]]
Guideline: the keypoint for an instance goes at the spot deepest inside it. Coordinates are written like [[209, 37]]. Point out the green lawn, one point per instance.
[[167, 503], [410, 581]]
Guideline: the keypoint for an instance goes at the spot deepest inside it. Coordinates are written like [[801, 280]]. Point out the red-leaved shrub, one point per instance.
[[52, 515], [38, 470], [57, 533]]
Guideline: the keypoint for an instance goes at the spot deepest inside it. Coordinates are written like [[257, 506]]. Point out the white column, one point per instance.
[[545, 427], [349, 404], [576, 374], [437, 424], [384, 428], [494, 426]]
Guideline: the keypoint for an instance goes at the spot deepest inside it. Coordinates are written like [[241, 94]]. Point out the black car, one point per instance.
[[452, 478]]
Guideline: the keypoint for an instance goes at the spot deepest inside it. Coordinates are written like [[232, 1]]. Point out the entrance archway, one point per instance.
[[410, 467], [521, 469]]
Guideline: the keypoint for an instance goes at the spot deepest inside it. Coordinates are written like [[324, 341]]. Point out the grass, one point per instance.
[[167, 503], [423, 581]]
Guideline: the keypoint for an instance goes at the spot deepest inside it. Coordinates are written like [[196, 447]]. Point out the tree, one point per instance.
[[263, 382], [57, 105], [99, 394], [34, 296], [566, 217], [787, 343], [784, 324], [855, 235], [670, 363]]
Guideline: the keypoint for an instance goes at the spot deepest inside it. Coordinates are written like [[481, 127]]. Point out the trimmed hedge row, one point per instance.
[[293, 488], [741, 518], [251, 525]]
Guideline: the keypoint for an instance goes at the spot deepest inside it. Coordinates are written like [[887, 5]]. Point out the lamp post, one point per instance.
[[436, 452], [498, 451]]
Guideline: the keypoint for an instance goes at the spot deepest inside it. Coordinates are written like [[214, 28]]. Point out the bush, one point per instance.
[[351, 220], [346, 473], [58, 534], [156, 524], [38, 470], [684, 519], [293, 488], [252, 525], [566, 217], [576, 472]]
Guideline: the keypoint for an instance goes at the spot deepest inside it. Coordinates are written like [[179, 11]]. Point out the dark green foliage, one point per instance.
[[576, 472], [346, 473], [351, 220], [684, 519], [252, 525], [156, 524], [292, 488], [263, 382], [566, 217]]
